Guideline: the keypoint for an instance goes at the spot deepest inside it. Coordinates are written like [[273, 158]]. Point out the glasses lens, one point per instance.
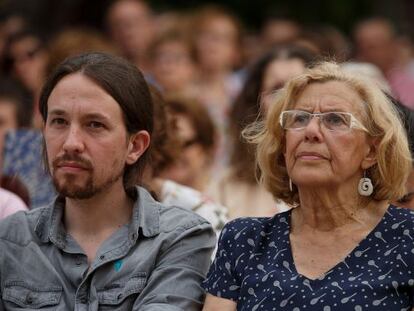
[[295, 119], [336, 121]]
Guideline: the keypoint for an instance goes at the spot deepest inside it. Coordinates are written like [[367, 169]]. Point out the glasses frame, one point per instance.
[[354, 121]]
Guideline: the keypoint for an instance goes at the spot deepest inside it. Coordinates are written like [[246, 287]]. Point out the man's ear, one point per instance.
[[370, 158], [137, 145]]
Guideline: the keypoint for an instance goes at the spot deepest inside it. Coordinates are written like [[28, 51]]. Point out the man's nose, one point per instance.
[[74, 140]]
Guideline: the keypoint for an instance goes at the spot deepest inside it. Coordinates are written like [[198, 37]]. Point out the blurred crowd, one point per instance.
[[209, 77]]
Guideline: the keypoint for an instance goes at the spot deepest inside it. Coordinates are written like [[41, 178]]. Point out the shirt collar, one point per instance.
[[145, 216]]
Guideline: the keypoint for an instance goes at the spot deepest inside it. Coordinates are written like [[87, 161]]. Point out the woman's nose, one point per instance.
[[313, 129]]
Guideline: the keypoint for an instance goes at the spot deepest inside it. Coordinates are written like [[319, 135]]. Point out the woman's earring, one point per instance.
[[290, 185], [365, 187]]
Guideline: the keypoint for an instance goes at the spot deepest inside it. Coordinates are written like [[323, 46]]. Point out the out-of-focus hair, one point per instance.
[[74, 41], [200, 120], [381, 119], [165, 146]]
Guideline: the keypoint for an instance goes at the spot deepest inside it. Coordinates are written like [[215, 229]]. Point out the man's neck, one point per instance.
[[106, 211], [91, 222]]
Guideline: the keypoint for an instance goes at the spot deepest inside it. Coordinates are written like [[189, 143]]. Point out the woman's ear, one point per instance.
[[137, 145], [370, 158]]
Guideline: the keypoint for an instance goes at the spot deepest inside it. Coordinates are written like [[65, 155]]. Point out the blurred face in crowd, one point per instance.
[[29, 62], [276, 74], [375, 44], [318, 156], [86, 139], [130, 26], [277, 31], [216, 44], [193, 159], [173, 67]]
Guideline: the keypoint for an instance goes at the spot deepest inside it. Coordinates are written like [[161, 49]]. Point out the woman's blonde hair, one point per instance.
[[393, 165]]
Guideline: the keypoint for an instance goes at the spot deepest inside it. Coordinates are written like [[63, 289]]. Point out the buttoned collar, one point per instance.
[[145, 219]]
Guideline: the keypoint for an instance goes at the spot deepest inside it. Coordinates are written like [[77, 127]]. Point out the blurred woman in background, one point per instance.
[[198, 137], [264, 78], [167, 149]]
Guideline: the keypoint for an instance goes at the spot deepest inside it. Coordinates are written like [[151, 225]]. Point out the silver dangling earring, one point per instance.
[[290, 185], [365, 187]]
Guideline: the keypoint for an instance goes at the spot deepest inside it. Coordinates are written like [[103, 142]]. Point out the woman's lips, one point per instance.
[[310, 156]]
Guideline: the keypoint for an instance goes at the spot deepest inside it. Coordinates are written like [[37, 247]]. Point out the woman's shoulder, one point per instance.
[[400, 214], [253, 227]]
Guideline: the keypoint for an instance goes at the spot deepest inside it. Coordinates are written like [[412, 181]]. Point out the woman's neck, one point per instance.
[[329, 211]]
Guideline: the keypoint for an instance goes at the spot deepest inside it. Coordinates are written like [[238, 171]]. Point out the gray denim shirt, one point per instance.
[[156, 262]]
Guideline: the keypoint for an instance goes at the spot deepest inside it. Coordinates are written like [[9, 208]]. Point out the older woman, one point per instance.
[[332, 146]]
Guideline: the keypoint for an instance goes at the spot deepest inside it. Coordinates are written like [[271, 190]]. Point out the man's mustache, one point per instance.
[[72, 159]]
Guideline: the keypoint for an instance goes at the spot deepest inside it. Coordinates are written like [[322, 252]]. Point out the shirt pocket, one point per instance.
[[19, 295], [121, 295]]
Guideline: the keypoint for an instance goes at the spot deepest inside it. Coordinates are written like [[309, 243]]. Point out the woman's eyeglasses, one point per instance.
[[333, 121]]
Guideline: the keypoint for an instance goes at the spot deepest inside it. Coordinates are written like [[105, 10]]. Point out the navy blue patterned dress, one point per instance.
[[255, 268]]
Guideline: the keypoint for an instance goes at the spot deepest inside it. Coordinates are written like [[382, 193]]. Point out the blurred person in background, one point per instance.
[[377, 41], [15, 114], [217, 39], [16, 108], [165, 151], [10, 24], [26, 59], [327, 41], [238, 188], [198, 138], [130, 24], [279, 30], [76, 40], [173, 63]]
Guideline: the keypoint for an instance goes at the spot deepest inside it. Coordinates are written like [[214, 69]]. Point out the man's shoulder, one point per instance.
[[19, 228]]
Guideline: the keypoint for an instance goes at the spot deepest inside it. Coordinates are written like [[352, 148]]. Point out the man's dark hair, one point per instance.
[[120, 79]]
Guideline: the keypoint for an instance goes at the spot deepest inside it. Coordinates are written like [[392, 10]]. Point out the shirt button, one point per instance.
[[102, 257], [29, 300]]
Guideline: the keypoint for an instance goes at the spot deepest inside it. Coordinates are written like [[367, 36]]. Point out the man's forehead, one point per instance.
[[77, 94]]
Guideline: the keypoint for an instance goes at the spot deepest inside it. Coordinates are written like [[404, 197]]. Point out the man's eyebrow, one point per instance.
[[93, 115], [58, 112], [96, 116]]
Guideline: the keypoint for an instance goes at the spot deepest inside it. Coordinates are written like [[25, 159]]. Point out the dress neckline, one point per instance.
[[357, 251]]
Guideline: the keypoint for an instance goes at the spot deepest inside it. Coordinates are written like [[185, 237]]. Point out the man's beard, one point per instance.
[[67, 187]]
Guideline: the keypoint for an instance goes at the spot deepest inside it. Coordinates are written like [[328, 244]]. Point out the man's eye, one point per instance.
[[95, 125], [58, 121]]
